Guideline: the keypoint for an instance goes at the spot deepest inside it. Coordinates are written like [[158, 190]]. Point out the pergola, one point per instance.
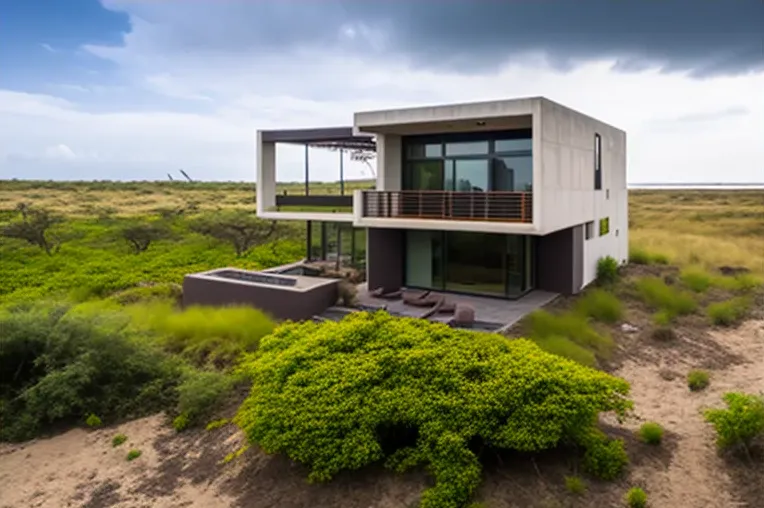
[[341, 139]]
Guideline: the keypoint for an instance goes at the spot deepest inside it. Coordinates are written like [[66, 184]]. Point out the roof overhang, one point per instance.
[[325, 137]]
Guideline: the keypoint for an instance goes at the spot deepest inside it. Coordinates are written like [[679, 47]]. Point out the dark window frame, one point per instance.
[[597, 161]]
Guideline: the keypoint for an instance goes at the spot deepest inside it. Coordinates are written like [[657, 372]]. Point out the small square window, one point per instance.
[[589, 230], [604, 226]]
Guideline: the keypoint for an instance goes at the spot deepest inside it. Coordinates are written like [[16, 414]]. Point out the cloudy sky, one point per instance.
[[134, 89]]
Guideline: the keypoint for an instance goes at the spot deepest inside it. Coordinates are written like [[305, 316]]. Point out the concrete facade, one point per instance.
[[564, 198]]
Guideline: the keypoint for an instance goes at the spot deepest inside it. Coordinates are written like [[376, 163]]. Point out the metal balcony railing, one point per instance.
[[501, 206]]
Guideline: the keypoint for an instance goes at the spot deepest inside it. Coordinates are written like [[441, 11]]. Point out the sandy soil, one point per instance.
[[81, 468]]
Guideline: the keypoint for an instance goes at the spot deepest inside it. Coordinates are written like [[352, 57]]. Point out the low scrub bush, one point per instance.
[[664, 334], [604, 458], [206, 335], [664, 298], [741, 423], [133, 454], [118, 440], [93, 421], [217, 424], [729, 312], [744, 282], [569, 335], [607, 270], [697, 380], [636, 498], [651, 433], [696, 279], [70, 363], [200, 392], [341, 395], [575, 485], [639, 256], [166, 291], [600, 305]]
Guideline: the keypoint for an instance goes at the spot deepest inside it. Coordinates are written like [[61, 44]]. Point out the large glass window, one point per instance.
[[480, 263], [495, 161]]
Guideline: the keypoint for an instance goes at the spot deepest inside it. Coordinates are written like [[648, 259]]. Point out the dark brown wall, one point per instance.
[[560, 261], [278, 302], [384, 251]]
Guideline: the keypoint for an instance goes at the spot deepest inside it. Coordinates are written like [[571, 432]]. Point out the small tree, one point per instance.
[[139, 236], [34, 228], [241, 229]]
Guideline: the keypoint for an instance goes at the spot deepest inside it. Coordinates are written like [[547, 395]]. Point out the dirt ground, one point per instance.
[[81, 468]]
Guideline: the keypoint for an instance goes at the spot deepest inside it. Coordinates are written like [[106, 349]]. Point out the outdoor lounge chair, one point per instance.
[[417, 298], [387, 293]]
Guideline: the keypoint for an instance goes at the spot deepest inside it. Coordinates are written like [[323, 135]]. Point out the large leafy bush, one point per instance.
[[339, 396]]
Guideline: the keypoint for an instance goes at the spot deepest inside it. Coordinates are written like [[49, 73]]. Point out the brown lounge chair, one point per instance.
[[386, 293]]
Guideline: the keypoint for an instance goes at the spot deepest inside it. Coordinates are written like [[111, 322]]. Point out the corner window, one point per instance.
[[589, 228], [597, 162], [604, 226]]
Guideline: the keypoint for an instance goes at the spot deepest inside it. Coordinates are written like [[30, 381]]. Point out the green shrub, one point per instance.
[[600, 305], [741, 423], [651, 433], [664, 298], [341, 395], [93, 421], [180, 422], [575, 485], [166, 291], [200, 392], [696, 279], [569, 335], [216, 424], [636, 498], [72, 361], [729, 312], [133, 454], [604, 458], [216, 335], [118, 440], [640, 256], [607, 270], [697, 380], [744, 282], [663, 318]]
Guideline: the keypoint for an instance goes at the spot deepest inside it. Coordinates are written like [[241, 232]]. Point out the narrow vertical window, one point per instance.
[[597, 162]]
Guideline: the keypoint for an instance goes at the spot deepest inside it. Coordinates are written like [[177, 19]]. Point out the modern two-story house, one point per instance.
[[492, 198]]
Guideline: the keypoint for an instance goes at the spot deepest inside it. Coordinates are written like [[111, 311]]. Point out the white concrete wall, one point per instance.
[[567, 181], [389, 160], [265, 174]]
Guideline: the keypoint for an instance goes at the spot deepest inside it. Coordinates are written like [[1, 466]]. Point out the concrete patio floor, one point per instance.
[[502, 313]]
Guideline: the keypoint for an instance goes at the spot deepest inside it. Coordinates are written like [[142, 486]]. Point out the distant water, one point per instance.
[[697, 186]]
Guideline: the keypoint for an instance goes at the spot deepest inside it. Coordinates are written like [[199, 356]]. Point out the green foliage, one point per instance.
[[181, 422], [664, 334], [133, 454], [242, 229], [216, 424], [729, 312], [651, 433], [568, 335], [697, 380], [200, 392], [663, 318], [235, 455], [118, 440], [636, 498], [34, 228], [170, 292], [139, 235], [604, 458], [205, 335], [696, 279], [741, 423], [664, 298], [575, 485], [744, 282], [71, 361], [340, 395], [92, 262], [607, 270], [639, 256], [93, 421], [600, 305]]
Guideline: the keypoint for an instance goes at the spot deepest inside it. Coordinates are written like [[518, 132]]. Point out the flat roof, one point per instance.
[[324, 137]]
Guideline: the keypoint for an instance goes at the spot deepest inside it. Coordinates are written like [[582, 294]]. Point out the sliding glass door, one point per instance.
[[465, 262]]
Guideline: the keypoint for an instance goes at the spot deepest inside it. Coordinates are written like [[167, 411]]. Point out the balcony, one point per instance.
[[493, 206]]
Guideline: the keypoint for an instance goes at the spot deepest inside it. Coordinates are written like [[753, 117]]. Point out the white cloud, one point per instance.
[[677, 126], [48, 48], [59, 152]]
